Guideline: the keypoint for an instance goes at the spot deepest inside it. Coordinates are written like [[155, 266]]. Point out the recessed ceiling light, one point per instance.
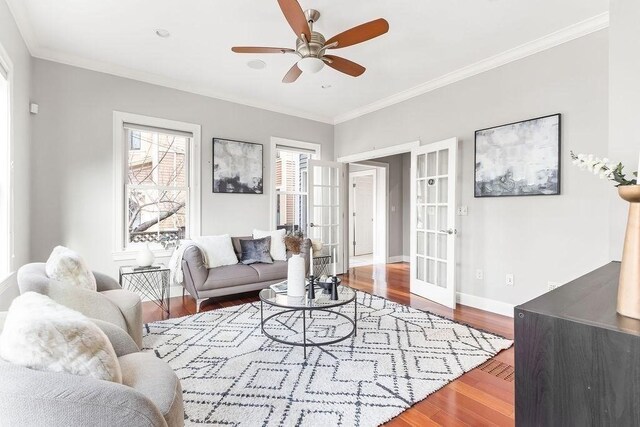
[[326, 86], [161, 32], [256, 64]]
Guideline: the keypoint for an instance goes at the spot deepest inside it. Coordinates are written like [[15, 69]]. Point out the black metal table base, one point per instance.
[[153, 284], [305, 342]]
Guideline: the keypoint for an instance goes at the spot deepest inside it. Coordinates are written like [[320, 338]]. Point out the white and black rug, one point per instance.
[[232, 375]]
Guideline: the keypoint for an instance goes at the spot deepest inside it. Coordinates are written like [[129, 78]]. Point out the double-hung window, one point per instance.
[[159, 200], [291, 166], [5, 172]]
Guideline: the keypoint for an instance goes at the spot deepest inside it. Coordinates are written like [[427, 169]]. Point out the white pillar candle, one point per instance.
[[311, 261], [335, 261]]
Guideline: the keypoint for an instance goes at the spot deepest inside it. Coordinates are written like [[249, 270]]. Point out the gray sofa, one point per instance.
[[202, 282], [111, 303], [150, 395]]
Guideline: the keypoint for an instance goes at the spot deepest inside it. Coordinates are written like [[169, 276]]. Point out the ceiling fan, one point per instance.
[[311, 45]]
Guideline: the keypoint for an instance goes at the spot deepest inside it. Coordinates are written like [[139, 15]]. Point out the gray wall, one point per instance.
[[406, 204], [624, 107], [12, 42], [73, 145], [395, 195], [538, 239], [395, 217]]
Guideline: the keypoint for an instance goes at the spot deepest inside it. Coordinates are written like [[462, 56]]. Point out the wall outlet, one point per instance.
[[479, 274], [393, 208], [462, 210], [509, 281], [553, 285]]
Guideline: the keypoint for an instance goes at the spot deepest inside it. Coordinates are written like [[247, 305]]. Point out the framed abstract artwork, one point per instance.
[[237, 167], [518, 159]]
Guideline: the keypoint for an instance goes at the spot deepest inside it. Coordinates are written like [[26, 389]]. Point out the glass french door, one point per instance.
[[433, 229], [326, 183]]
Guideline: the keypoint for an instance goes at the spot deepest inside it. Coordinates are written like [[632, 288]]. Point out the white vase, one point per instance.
[[145, 257], [295, 276]]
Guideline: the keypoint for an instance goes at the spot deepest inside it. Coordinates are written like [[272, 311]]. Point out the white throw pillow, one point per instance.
[[67, 266], [41, 334], [278, 248], [218, 250]]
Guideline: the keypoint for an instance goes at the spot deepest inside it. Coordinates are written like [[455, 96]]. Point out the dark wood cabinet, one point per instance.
[[577, 362]]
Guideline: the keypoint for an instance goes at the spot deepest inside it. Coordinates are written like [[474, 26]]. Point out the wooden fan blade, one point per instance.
[[360, 34], [256, 49], [292, 75], [345, 66], [295, 17]]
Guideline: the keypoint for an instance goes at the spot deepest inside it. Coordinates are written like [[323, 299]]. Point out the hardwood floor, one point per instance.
[[481, 397]]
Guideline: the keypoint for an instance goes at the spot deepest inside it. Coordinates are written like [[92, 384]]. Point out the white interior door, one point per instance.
[[433, 228], [325, 208], [363, 213]]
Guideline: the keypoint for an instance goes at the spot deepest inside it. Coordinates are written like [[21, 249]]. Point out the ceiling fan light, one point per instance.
[[310, 64]]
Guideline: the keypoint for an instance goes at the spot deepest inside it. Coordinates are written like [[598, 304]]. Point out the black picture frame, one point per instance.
[[228, 183], [478, 193]]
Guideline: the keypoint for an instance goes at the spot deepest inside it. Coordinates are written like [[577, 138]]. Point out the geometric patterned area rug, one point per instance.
[[232, 375]]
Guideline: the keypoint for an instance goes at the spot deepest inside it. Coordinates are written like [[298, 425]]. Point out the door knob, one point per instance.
[[450, 231]]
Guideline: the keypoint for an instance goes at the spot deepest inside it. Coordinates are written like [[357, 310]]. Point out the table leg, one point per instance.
[[355, 317], [166, 284], [261, 317], [304, 333]]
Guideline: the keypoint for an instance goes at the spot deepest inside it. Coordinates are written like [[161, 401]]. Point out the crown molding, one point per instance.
[[549, 41]]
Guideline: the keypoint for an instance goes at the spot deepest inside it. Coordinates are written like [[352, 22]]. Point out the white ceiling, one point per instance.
[[427, 40]]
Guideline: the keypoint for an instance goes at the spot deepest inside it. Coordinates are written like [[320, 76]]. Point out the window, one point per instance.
[[5, 172], [135, 140], [290, 163], [158, 182]]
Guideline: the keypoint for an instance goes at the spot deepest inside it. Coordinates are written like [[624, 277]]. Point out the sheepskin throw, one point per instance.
[[67, 266], [41, 334]]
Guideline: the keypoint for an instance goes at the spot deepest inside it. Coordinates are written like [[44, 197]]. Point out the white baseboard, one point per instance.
[[486, 304], [399, 258]]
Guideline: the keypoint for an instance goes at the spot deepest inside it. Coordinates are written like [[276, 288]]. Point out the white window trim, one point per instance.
[[120, 253], [275, 141], [7, 64]]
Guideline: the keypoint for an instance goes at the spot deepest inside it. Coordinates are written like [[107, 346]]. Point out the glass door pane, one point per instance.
[[325, 222]]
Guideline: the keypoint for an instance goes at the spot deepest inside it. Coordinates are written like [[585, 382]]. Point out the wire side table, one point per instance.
[[151, 282], [320, 264]]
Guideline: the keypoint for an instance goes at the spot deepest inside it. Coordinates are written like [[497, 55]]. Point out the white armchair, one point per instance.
[[111, 303]]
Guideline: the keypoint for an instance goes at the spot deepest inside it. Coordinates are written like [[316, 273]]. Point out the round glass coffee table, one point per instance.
[[304, 306]]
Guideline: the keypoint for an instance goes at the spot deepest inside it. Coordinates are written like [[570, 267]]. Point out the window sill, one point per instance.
[[130, 255]]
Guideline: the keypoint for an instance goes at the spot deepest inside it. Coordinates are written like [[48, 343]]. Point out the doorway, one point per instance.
[[368, 218], [362, 216], [428, 203]]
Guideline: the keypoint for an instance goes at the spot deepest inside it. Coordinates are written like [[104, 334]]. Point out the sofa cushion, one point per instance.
[[236, 244], [278, 248], [155, 379], [67, 266], [256, 251], [41, 334], [230, 275], [275, 271], [217, 249]]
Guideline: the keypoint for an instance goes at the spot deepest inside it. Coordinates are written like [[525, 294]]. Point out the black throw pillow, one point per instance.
[[255, 251]]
